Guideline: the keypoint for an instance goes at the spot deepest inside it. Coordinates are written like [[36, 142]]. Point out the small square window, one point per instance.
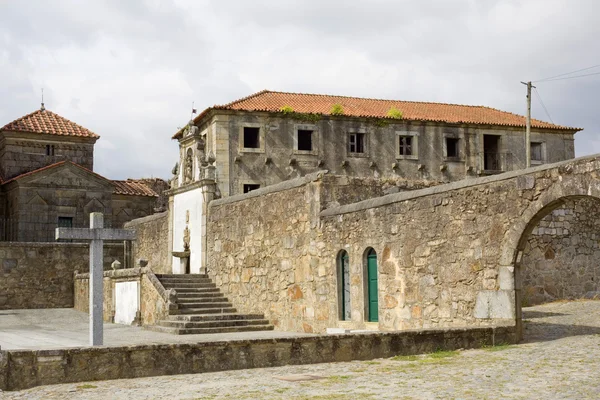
[[248, 187], [305, 139], [251, 137], [405, 146], [536, 152], [356, 143], [452, 150], [65, 222]]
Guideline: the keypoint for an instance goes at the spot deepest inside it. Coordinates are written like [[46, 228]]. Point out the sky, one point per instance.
[[130, 70]]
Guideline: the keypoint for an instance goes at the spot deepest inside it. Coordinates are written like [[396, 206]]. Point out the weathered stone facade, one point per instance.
[[446, 255], [562, 254], [152, 244], [40, 275]]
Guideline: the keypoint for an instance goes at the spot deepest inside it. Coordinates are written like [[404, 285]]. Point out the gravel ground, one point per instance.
[[559, 359]]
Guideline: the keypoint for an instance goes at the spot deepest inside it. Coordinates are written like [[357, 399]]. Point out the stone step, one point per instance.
[[196, 331], [198, 293], [199, 296], [177, 286], [203, 311], [214, 317], [185, 280], [204, 304], [212, 324], [182, 276], [218, 298]]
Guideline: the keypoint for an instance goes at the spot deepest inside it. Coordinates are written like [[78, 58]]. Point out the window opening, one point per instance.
[[248, 187], [536, 152], [491, 155], [49, 149], [305, 139], [452, 148], [405, 148], [356, 143], [251, 137]]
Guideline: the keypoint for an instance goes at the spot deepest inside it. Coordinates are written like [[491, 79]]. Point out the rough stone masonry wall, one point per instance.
[[445, 254], [562, 257], [266, 261], [40, 275], [152, 243]]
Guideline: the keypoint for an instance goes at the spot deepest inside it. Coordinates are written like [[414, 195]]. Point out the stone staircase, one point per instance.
[[202, 308]]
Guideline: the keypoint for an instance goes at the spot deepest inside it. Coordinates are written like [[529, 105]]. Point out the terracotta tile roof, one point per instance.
[[133, 187], [375, 108], [54, 166], [44, 121]]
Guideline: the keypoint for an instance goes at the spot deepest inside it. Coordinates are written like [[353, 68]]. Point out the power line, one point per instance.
[[568, 73], [571, 77], [542, 103]]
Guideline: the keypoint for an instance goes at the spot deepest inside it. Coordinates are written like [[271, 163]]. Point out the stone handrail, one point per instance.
[[164, 293]]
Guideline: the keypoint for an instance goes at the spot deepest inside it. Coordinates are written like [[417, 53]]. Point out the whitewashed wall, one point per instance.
[[191, 200], [126, 302]]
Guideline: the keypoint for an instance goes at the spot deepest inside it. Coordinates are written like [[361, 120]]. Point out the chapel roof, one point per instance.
[[271, 101], [47, 122], [133, 187]]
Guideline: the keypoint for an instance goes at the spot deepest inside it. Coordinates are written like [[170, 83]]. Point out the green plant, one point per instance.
[[286, 110], [87, 386], [380, 122], [394, 113], [337, 109]]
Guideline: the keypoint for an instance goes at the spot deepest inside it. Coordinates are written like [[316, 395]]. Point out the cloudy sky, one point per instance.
[[130, 69]]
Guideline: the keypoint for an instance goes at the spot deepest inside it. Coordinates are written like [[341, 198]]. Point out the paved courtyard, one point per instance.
[[560, 359], [66, 327]]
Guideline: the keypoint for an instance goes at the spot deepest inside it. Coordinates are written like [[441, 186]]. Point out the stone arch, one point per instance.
[[343, 284], [516, 237]]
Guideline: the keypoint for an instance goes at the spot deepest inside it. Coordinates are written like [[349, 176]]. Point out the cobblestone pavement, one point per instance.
[[559, 359]]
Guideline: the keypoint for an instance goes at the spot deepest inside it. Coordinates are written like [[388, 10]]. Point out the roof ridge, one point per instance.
[[359, 98], [244, 98]]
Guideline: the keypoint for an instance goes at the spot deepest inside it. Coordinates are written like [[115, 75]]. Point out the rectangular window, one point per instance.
[[356, 143], [452, 148], [536, 152], [251, 137], [305, 139], [49, 149], [248, 187], [65, 222], [405, 146]]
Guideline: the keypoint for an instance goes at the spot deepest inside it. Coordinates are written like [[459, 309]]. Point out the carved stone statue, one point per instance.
[[186, 239], [188, 172]]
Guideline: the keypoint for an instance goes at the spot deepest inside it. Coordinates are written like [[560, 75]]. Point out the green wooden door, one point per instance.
[[372, 286]]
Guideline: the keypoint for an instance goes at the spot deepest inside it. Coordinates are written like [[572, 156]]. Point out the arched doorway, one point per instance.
[[557, 254], [343, 279], [371, 286]]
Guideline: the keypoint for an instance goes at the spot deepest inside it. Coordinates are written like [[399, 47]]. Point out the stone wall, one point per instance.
[[153, 305], [446, 256], [277, 157], [25, 369], [562, 257], [152, 243], [40, 275]]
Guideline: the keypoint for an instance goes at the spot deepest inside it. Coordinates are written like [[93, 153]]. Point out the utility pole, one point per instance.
[[528, 126]]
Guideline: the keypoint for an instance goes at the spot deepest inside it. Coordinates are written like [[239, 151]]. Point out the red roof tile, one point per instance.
[[44, 121], [375, 108], [132, 187]]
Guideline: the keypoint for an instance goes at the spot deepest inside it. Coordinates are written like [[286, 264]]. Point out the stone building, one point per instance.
[[270, 137], [47, 180]]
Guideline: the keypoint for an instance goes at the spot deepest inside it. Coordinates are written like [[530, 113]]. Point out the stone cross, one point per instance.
[[96, 234]]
